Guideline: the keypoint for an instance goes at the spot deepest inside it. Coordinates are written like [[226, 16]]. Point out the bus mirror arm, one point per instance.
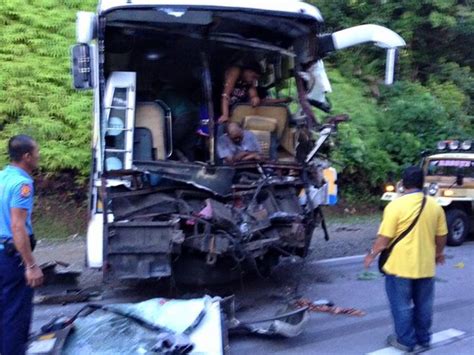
[[381, 36]]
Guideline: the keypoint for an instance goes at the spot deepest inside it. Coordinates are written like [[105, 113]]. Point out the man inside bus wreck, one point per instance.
[[237, 144]]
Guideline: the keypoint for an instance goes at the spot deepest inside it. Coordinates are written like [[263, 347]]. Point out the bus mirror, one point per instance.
[[82, 72]]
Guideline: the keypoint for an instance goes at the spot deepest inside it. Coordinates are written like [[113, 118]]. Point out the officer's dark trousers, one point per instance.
[[15, 306]]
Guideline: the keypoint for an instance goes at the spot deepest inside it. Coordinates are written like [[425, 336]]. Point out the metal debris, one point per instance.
[[62, 275], [69, 296], [329, 308], [288, 324]]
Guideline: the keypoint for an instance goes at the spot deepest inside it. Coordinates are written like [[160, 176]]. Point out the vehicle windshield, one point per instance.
[[450, 167]]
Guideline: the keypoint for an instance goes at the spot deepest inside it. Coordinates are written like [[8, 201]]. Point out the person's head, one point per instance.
[[413, 178], [23, 151], [251, 72], [235, 133]]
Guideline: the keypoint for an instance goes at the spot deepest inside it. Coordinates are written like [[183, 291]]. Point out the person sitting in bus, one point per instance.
[[240, 86], [237, 145]]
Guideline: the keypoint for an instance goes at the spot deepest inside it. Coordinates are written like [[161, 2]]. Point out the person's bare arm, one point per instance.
[[246, 155], [251, 156], [231, 77], [380, 244], [440, 241], [229, 160], [253, 94], [21, 239]]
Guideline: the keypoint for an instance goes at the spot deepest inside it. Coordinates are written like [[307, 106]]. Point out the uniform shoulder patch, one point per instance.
[[25, 190]]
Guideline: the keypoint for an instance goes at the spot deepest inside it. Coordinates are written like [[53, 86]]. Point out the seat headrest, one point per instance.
[[264, 141], [278, 112], [260, 123]]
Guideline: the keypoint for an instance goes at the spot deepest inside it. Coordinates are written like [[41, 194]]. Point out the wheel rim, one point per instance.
[[457, 229]]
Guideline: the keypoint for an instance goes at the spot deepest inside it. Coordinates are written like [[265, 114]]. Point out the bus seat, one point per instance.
[[276, 112], [150, 115], [288, 140], [142, 144], [264, 141]]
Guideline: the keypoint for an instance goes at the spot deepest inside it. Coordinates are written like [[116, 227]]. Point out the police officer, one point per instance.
[[19, 273]]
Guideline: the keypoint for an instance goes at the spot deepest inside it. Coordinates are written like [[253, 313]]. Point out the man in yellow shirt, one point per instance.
[[410, 268]]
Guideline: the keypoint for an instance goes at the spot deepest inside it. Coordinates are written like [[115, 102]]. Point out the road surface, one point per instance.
[[335, 280]]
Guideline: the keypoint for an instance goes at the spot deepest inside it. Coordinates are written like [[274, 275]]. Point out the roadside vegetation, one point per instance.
[[389, 126]]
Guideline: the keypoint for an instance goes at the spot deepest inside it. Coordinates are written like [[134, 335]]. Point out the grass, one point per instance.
[[57, 218], [333, 216]]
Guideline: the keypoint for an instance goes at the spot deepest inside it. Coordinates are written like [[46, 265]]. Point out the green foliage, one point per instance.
[[389, 126], [36, 95], [431, 101], [363, 161]]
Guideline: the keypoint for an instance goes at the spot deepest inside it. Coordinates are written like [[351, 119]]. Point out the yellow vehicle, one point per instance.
[[449, 178]]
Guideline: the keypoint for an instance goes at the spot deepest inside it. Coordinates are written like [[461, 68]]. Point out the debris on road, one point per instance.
[[459, 265], [288, 324], [155, 326], [68, 296], [63, 275], [329, 308], [159, 326], [368, 275]]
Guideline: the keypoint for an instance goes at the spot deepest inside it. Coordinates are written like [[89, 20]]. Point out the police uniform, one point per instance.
[[16, 191]]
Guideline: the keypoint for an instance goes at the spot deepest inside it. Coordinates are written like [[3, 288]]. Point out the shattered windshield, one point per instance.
[[450, 167], [156, 326]]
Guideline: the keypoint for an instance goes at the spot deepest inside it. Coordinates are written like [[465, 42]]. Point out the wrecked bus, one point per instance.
[[154, 211]]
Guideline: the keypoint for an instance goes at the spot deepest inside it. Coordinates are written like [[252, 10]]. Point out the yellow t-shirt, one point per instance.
[[414, 256]]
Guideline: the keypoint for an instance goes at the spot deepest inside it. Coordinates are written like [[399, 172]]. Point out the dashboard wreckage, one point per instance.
[[156, 213]]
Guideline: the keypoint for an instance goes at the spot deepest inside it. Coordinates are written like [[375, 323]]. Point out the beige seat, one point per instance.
[[264, 141], [278, 114], [288, 141], [150, 115], [263, 121]]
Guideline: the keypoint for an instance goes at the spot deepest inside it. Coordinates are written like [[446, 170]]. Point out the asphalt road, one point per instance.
[[338, 282], [331, 334]]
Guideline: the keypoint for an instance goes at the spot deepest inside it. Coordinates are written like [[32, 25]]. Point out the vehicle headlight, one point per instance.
[[448, 193], [441, 145], [466, 145], [433, 189], [389, 188], [454, 145]]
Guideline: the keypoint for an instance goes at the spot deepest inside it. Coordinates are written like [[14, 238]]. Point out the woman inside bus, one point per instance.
[[240, 86]]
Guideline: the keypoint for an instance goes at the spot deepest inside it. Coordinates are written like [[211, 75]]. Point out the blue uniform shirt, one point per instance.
[[16, 191]]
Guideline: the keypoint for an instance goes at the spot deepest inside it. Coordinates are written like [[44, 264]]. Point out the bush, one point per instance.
[[413, 120], [36, 95], [363, 162]]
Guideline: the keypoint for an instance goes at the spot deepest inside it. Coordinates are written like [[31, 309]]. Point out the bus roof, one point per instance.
[[293, 7]]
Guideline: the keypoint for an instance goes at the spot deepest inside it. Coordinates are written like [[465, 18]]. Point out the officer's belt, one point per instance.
[[6, 243]]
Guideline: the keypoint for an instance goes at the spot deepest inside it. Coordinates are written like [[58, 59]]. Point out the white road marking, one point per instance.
[[341, 261], [436, 339]]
